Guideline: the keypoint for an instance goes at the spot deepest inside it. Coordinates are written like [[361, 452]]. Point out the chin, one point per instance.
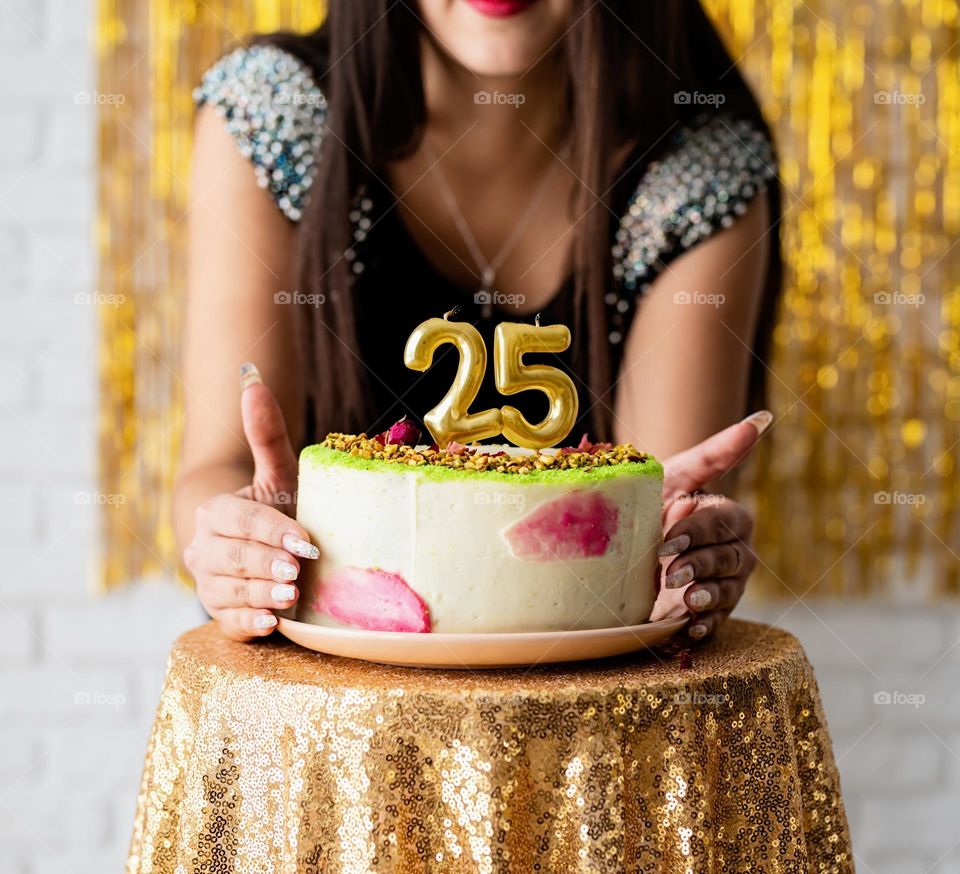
[[496, 38]]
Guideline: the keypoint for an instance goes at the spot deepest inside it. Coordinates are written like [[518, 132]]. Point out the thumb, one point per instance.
[[692, 469], [274, 462]]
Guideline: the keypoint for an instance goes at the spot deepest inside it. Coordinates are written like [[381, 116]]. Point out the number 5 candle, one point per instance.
[[510, 342]]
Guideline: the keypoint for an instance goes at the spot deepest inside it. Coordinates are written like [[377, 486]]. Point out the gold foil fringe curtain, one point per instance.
[[151, 56], [855, 489]]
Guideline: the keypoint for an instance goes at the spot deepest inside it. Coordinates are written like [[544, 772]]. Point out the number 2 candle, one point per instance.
[[510, 342], [450, 419]]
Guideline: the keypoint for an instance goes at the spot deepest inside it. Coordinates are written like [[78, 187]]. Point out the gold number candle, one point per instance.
[[511, 340], [450, 419]]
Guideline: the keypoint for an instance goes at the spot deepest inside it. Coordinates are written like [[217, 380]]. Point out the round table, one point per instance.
[[268, 758]]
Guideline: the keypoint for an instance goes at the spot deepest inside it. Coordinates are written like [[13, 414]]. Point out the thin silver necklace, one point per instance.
[[488, 269]]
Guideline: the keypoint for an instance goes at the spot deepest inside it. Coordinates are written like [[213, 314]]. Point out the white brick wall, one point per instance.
[[79, 676]]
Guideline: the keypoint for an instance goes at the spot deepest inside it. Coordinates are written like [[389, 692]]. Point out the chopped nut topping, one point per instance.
[[479, 458]]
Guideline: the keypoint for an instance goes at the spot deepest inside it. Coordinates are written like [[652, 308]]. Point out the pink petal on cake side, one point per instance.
[[373, 599], [578, 525]]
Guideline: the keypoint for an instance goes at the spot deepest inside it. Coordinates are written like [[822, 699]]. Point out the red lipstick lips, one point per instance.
[[501, 8]]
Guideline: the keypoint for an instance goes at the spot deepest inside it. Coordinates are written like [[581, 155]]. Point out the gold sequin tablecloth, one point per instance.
[[268, 758]]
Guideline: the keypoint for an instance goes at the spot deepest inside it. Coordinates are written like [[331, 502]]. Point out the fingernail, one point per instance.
[[249, 375], [697, 631], [267, 621], [283, 570], [283, 593], [760, 420], [299, 546], [675, 546], [699, 598], [679, 577]]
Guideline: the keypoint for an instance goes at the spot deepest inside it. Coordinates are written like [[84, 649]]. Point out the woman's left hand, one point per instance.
[[706, 537], [712, 563]]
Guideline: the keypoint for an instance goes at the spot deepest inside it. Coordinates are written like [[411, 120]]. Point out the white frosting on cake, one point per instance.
[[455, 541]]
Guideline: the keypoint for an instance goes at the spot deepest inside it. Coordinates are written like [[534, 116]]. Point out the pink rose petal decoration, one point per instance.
[[373, 599], [578, 525], [403, 432]]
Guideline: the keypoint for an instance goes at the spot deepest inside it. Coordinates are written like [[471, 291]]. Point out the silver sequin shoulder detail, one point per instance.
[[275, 112], [701, 186]]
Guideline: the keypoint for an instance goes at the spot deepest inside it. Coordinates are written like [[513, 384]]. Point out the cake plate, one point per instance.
[[473, 651]]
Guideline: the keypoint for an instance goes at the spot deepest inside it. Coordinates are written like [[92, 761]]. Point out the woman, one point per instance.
[[600, 164]]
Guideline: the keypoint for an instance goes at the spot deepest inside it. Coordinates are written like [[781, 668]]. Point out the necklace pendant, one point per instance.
[[487, 278]]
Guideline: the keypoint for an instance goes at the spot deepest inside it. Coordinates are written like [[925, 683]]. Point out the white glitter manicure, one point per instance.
[[761, 420], [680, 577], [299, 546], [283, 570], [700, 598], [283, 592], [675, 546], [249, 375], [265, 621]]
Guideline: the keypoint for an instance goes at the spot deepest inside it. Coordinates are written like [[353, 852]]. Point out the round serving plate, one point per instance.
[[473, 651]]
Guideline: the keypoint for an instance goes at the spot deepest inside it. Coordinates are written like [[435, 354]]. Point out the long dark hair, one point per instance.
[[626, 61]]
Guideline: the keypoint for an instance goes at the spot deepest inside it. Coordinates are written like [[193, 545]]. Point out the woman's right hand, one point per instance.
[[246, 550]]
